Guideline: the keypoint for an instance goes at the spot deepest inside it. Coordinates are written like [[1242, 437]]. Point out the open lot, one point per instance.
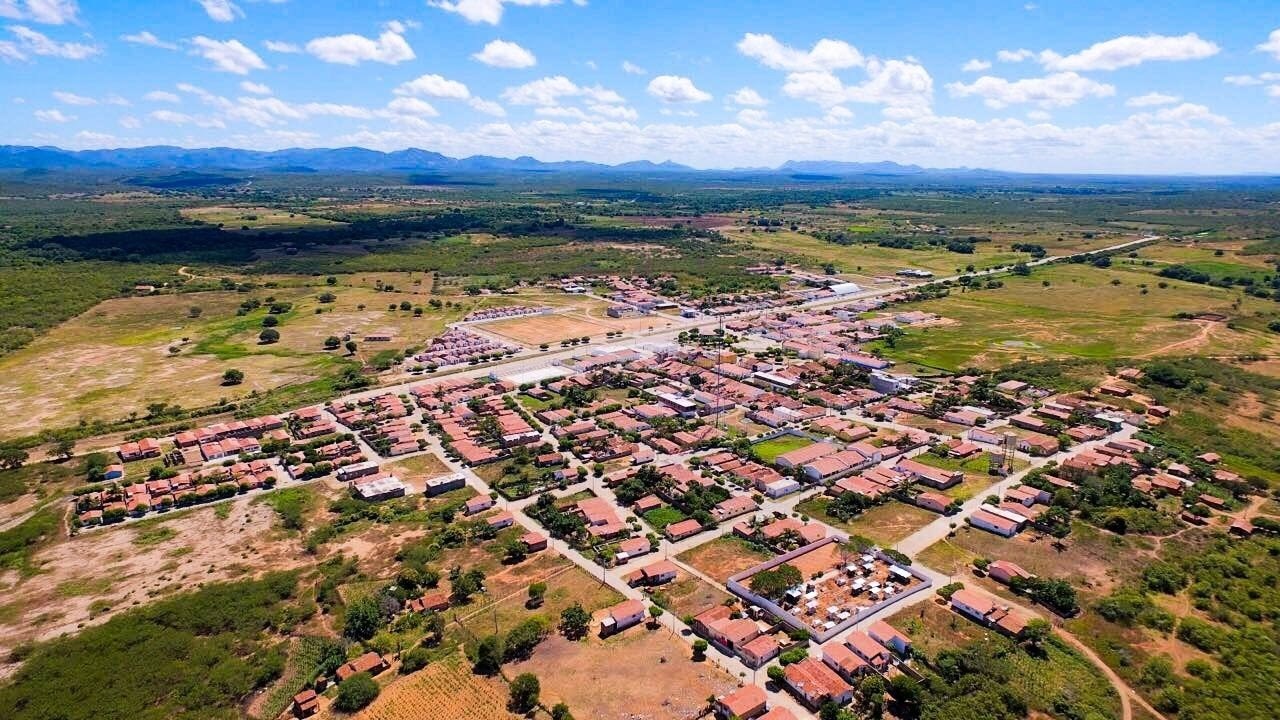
[[1081, 313], [689, 595], [252, 217], [446, 690], [638, 671], [724, 557], [566, 584], [883, 524]]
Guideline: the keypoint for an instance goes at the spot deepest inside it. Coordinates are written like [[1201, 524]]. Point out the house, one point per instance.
[[501, 520], [936, 502], [936, 478], [685, 528], [816, 683], [733, 507], [113, 472], [759, 651], [778, 713], [659, 573], [804, 455], [622, 616], [985, 519], [431, 602], [745, 703], [443, 484], [844, 661], [306, 703], [378, 487], [533, 542], [887, 635], [370, 662], [876, 655], [635, 547], [1041, 445], [647, 503], [1004, 571], [973, 604], [477, 504]]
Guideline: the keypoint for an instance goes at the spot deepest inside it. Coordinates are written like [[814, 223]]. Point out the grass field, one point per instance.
[[769, 450], [565, 586], [445, 690], [254, 218], [689, 595], [883, 524], [1082, 314]]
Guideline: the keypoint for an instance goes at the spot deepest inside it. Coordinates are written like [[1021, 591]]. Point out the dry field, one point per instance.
[[235, 217], [883, 524], [639, 673], [441, 691], [566, 584], [690, 595], [537, 329], [86, 579], [723, 557]]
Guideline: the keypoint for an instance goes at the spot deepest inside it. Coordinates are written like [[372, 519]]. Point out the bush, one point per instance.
[[414, 660], [524, 693], [363, 619], [356, 692]]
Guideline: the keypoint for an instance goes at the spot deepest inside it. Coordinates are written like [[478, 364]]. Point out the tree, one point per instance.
[[332, 343], [232, 377], [268, 336], [12, 457], [772, 584], [655, 612], [356, 692], [537, 591], [489, 656], [327, 297], [523, 638], [560, 711], [1036, 632], [63, 447], [270, 321], [574, 621], [907, 695], [524, 693], [414, 660], [700, 649], [194, 311], [351, 347], [362, 620]]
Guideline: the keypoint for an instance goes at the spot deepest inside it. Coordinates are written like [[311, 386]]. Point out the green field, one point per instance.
[[769, 450]]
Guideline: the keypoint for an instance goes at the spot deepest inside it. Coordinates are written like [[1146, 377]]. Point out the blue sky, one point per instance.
[[1047, 85]]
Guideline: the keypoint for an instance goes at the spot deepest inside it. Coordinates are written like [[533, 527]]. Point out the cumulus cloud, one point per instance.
[[177, 118], [282, 47], [900, 84], [147, 38], [1056, 90], [45, 12], [747, 97], [1272, 45], [130, 122], [631, 68], [221, 10], [31, 42], [824, 56], [434, 86], [489, 11], [676, 89], [412, 107], [503, 54], [488, 107], [1129, 50], [976, 65], [390, 47], [227, 55], [53, 116], [1014, 56], [549, 91], [254, 88], [1245, 80], [1152, 99]]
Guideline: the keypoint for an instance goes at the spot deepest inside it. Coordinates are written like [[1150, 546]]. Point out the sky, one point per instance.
[[1039, 86]]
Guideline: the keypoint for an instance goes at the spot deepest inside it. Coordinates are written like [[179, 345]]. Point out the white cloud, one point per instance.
[[227, 55], [255, 88], [1189, 113], [747, 97], [1259, 79], [36, 43], [631, 68], [177, 118], [1039, 116], [221, 10], [46, 12], [67, 98], [976, 65], [752, 116], [1272, 45], [503, 54], [838, 115], [488, 11], [615, 112], [130, 122], [1152, 99], [53, 116], [434, 86], [114, 99], [10, 52], [390, 47], [281, 47], [825, 55], [1057, 90], [161, 96], [488, 107], [548, 91], [412, 107], [1129, 50], [676, 89], [147, 38], [900, 84], [1014, 56]]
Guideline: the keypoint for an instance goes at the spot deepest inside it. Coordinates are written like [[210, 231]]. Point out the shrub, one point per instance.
[[524, 693], [356, 692]]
